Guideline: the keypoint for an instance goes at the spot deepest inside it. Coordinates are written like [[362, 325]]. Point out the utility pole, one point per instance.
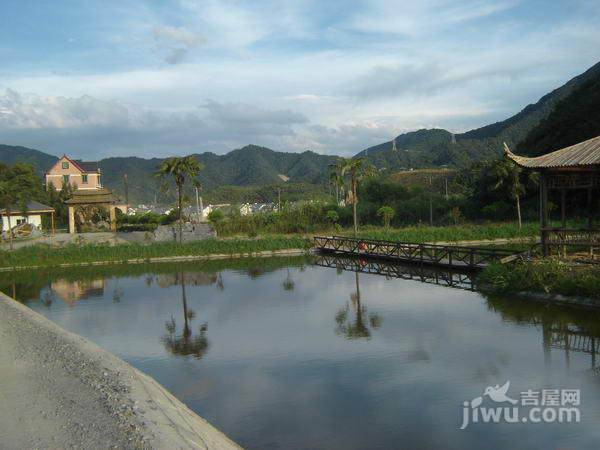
[[446, 182], [279, 200], [126, 191], [430, 202]]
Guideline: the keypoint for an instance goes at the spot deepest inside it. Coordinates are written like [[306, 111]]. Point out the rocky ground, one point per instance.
[[58, 390]]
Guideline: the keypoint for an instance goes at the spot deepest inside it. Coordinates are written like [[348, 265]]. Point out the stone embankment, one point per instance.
[[58, 390]]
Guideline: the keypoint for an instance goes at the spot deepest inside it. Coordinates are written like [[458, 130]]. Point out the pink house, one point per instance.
[[81, 175]]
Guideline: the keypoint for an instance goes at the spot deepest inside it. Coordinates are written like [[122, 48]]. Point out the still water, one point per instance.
[[288, 354]]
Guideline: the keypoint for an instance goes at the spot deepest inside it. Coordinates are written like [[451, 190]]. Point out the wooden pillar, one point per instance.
[[113, 218], [543, 213], [590, 207], [72, 229], [563, 216], [52, 225]]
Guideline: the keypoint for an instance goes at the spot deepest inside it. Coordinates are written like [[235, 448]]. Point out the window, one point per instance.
[[65, 165], [84, 178], [66, 179]]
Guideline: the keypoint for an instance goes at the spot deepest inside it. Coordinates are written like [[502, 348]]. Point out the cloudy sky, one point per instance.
[[99, 78]]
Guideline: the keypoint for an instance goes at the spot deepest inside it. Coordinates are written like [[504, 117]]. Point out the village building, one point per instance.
[[31, 214], [89, 196], [78, 174]]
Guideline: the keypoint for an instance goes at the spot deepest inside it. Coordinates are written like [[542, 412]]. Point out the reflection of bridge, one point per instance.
[[570, 339], [424, 274]]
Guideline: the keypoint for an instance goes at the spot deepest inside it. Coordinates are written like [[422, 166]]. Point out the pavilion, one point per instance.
[[569, 171]]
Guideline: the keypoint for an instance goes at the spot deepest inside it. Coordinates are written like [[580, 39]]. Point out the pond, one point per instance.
[[296, 353]]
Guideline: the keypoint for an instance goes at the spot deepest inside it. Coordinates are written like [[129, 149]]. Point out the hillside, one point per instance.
[[39, 160], [248, 166], [435, 147], [576, 118]]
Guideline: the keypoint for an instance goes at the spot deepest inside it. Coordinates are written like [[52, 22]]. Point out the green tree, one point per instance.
[[216, 217], [18, 185], [332, 216], [180, 169], [507, 175], [387, 214], [356, 169]]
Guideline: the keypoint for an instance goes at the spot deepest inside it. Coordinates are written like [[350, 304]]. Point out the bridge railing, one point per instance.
[[447, 255]]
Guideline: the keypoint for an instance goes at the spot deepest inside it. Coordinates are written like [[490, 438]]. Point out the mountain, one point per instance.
[[575, 119], [248, 166], [39, 160], [567, 114]]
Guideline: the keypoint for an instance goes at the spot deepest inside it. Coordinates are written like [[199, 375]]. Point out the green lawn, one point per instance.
[[547, 276], [43, 255], [466, 232]]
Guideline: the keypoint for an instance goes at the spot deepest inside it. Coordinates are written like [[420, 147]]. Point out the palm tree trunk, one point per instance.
[[519, 210], [180, 202]]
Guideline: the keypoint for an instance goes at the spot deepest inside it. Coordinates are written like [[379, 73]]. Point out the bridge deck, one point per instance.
[[440, 255]]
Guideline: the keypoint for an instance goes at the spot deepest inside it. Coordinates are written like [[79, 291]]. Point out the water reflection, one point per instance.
[[424, 274], [186, 343], [365, 359], [361, 322], [568, 329]]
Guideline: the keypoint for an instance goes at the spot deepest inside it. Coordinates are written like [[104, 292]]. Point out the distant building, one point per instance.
[[79, 174]]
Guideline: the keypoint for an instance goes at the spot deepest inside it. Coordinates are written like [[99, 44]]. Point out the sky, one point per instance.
[[171, 77]]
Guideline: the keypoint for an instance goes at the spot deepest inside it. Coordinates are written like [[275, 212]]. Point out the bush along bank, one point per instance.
[[548, 276], [44, 255]]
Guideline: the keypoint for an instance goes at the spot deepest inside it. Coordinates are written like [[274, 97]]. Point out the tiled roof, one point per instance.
[[584, 154], [86, 196], [32, 207], [88, 166]]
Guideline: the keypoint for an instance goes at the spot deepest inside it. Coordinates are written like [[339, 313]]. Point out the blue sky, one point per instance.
[[100, 78]]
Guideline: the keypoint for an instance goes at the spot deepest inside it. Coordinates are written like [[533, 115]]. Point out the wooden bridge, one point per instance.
[[460, 257]]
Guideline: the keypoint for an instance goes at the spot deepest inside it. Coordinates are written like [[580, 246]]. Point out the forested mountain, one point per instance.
[[567, 114], [576, 118], [41, 161], [248, 166]]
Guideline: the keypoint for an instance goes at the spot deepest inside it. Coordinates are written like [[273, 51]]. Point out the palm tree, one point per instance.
[[356, 169], [180, 169], [387, 214], [508, 175], [336, 179]]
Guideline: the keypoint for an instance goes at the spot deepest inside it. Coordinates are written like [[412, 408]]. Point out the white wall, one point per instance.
[[34, 219]]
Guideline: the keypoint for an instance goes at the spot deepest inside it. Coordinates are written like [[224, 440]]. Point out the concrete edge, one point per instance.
[[262, 254], [170, 422]]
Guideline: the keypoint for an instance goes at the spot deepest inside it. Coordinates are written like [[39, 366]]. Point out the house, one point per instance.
[[32, 215], [79, 174]]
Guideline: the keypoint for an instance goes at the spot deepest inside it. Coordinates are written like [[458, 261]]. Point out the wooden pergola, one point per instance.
[[96, 197], [568, 170]]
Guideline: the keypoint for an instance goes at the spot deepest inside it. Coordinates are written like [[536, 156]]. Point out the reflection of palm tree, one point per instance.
[[288, 283], [186, 343], [357, 328]]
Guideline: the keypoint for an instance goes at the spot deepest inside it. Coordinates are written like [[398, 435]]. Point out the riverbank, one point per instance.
[[546, 278], [58, 390], [72, 254]]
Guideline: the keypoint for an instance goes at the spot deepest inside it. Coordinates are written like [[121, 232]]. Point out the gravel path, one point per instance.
[[58, 390]]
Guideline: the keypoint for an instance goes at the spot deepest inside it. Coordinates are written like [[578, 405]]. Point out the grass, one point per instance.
[[44, 255], [550, 276], [466, 232]]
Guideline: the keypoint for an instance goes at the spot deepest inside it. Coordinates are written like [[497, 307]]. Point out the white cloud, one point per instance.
[[175, 42]]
